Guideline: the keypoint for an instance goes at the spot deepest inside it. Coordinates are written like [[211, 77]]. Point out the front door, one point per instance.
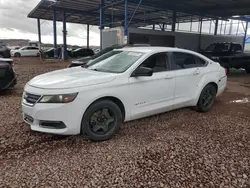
[[154, 94]]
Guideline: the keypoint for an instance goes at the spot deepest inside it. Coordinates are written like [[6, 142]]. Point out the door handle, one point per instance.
[[196, 72]]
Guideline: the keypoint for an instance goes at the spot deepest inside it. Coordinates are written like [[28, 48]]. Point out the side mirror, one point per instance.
[[142, 71]]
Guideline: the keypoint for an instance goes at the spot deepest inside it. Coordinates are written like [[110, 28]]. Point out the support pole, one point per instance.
[[200, 33], [163, 27], [216, 27], [101, 21], [174, 21], [126, 21], [88, 36], [65, 53], [55, 35], [153, 26], [245, 36], [39, 33]]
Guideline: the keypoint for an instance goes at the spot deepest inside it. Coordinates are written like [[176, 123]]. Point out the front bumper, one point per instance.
[[55, 113]]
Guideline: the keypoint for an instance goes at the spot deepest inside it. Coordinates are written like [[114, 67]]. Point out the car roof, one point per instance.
[[155, 49]]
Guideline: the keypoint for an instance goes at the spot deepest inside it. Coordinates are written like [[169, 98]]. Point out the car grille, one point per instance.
[[31, 98]]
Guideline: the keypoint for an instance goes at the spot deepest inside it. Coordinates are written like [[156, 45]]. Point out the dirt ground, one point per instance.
[[182, 148]]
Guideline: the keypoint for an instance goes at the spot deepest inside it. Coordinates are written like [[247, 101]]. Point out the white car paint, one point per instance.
[[26, 51], [141, 96]]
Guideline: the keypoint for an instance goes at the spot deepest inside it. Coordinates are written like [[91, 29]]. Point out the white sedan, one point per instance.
[[26, 51], [122, 85]]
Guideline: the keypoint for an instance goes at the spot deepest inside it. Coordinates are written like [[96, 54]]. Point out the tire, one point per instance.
[[247, 70], [17, 55], [38, 55], [90, 121], [207, 98]]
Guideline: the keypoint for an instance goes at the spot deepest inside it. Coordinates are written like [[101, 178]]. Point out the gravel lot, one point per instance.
[[177, 149]]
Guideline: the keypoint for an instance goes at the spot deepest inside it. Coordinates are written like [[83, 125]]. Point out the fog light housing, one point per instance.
[[52, 124]]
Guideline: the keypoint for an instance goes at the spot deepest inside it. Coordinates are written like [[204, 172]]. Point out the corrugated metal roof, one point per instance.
[[149, 12]]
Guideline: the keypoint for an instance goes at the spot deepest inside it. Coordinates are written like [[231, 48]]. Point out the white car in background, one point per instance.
[[122, 85], [26, 51]]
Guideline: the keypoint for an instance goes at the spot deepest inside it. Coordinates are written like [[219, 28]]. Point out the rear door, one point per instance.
[[33, 51], [189, 71]]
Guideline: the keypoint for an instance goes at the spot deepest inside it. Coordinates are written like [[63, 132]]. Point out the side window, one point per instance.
[[183, 61], [157, 62], [237, 48], [200, 62]]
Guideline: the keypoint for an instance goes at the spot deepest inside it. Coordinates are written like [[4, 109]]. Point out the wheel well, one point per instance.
[[215, 85], [117, 101]]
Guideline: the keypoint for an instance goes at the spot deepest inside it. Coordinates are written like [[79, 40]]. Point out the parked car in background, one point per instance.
[[4, 51], [229, 55], [130, 83], [84, 60], [7, 74], [26, 51], [82, 52], [50, 52]]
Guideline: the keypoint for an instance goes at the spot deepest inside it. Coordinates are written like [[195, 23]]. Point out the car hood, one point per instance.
[[71, 78], [82, 61]]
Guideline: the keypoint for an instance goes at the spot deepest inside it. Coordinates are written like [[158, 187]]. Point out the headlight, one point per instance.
[[64, 98]]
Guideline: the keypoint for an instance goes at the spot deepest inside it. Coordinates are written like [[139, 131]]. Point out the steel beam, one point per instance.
[[126, 18], [199, 47], [245, 36], [88, 36], [39, 33], [174, 21], [55, 34], [64, 19], [101, 20], [216, 27]]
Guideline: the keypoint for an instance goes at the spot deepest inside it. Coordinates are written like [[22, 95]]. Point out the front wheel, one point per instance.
[[207, 98], [101, 121]]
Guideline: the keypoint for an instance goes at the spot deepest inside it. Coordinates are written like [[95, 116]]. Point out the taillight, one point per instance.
[[226, 72]]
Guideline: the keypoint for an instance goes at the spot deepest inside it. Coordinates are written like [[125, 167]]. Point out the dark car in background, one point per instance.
[[4, 51], [7, 74], [229, 55], [50, 53], [82, 52]]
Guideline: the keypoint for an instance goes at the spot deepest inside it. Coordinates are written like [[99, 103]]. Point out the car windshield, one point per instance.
[[210, 48], [115, 61], [77, 49]]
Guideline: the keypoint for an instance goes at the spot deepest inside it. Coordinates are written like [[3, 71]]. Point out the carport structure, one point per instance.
[[162, 14]]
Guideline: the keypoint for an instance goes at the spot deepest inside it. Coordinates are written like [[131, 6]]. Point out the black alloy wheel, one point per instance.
[[207, 98], [102, 120]]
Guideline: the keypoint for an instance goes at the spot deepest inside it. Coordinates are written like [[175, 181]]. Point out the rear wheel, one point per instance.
[[207, 98], [247, 70], [101, 121]]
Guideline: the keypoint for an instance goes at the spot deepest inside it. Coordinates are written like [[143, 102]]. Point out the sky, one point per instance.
[[14, 24]]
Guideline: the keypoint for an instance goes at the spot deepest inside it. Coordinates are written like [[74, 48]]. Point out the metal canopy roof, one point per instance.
[[149, 12]]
